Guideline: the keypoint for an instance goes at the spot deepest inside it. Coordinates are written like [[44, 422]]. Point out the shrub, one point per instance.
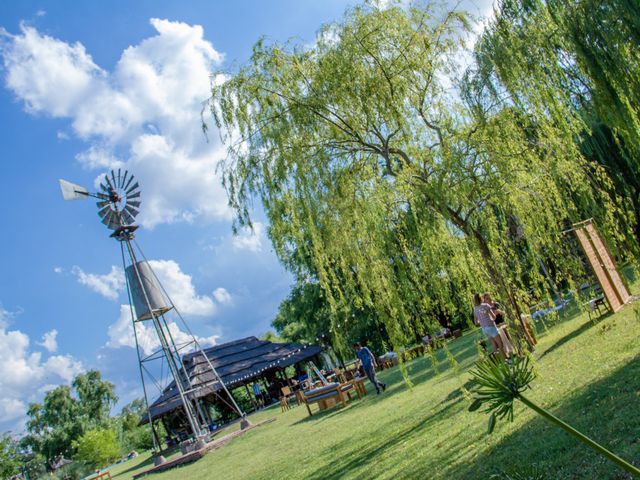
[[97, 448]]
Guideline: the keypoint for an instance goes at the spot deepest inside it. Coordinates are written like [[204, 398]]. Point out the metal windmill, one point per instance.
[[118, 205]]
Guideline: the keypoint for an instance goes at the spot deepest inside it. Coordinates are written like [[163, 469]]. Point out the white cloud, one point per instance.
[[58, 270], [23, 372], [144, 115], [50, 76], [109, 285], [96, 157], [248, 239], [11, 408], [65, 366], [49, 341], [180, 288], [178, 285], [121, 334], [222, 296]]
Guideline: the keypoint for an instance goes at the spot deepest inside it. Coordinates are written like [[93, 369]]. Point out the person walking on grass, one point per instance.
[[368, 362], [485, 317]]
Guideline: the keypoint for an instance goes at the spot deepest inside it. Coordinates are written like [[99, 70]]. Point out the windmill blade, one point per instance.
[[103, 204], [103, 211], [112, 220], [130, 210], [113, 177], [111, 187], [103, 196], [117, 221], [129, 182], [128, 219], [133, 203], [132, 188], [124, 179], [119, 179], [104, 188], [133, 195], [107, 219], [71, 191]]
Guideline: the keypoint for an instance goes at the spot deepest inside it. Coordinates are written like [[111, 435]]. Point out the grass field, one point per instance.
[[588, 375]]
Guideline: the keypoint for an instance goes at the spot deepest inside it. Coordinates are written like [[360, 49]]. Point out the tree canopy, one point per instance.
[[66, 414], [397, 182]]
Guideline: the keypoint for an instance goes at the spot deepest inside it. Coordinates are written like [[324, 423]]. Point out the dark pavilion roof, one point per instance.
[[237, 363]]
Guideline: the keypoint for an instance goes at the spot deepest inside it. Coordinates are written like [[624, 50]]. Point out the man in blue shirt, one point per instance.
[[368, 362], [257, 392]]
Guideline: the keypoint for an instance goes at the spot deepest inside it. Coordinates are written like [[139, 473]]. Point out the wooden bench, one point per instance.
[[333, 391]]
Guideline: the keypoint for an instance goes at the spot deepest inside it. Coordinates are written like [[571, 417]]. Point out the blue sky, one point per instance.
[[91, 85]]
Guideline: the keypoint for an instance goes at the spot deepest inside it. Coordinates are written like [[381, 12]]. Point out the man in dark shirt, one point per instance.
[[368, 362]]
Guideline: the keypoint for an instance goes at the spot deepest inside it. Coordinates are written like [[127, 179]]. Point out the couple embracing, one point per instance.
[[487, 314]]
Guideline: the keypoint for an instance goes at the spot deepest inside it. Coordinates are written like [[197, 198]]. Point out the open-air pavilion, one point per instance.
[[238, 363]]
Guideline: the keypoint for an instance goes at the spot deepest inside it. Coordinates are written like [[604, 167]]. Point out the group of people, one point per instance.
[[489, 315]]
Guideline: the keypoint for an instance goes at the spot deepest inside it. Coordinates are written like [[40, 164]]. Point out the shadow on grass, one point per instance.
[[577, 332], [354, 457], [606, 411]]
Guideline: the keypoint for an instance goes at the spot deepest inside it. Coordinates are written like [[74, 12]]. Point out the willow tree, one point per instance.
[[380, 181], [572, 65]]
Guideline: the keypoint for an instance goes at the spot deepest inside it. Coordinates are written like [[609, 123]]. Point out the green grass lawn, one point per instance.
[[588, 375]]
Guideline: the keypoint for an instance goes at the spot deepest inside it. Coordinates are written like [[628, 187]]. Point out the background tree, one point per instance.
[[63, 417], [95, 397], [11, 460], [53, 425], [133, 435]]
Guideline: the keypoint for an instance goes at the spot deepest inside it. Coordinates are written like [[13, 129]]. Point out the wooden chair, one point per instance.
[[284, 404], [288, 394], [358, 383], [340, 375]]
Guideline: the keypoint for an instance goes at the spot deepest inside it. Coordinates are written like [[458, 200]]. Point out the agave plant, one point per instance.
[[501, 383]]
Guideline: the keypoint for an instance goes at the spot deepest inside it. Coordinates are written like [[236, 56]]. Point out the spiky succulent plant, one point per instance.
[[500, 383]]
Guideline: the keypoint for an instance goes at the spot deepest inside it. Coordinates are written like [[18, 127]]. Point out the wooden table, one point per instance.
[[358, 383]]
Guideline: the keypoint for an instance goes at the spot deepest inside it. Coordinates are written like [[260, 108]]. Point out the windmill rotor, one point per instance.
[[118, 198], [118, 209]]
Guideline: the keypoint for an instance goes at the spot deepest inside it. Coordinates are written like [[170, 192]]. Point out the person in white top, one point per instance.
[[484, 317]]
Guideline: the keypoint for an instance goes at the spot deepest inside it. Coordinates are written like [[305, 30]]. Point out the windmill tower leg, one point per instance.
[[158, 458], [198, 348], [162, 335]]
